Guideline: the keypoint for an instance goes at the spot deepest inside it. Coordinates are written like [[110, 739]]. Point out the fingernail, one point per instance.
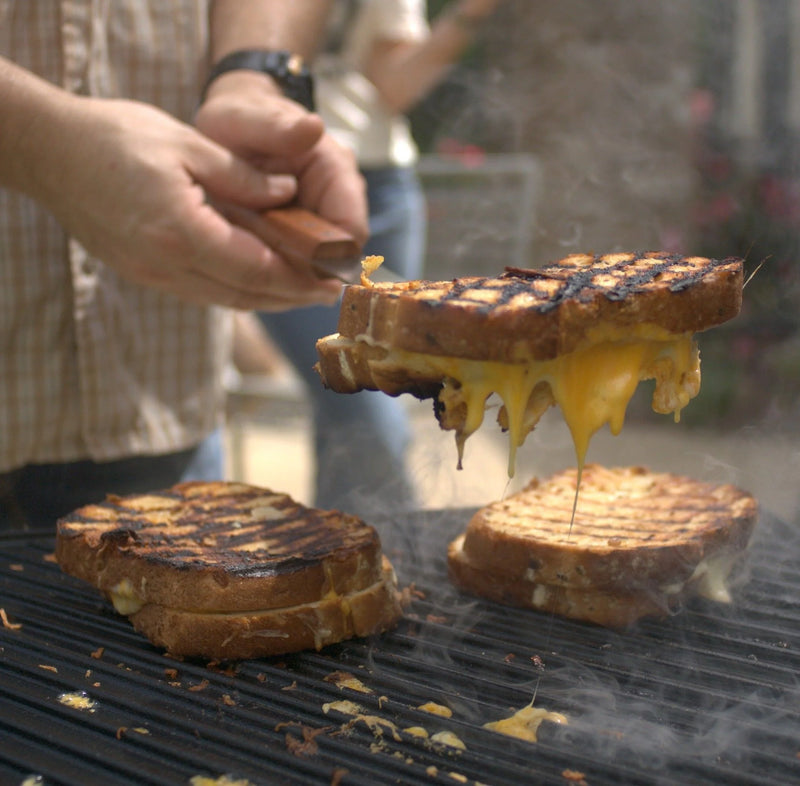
[[282, 186]]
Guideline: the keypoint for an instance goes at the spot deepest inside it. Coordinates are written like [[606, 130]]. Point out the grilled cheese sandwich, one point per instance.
[[228, 570], [640, 544], [580, 334]]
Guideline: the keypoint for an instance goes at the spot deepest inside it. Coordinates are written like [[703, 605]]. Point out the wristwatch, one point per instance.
[[287, 69]]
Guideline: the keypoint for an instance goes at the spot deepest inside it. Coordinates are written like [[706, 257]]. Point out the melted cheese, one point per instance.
[[592, 385], [124, 598], [78, 701], [449, 739], [711, 578], [436, 709], [524, 724]]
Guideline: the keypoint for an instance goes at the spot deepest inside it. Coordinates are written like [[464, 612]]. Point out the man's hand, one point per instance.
[[138, 188], [244, 113]]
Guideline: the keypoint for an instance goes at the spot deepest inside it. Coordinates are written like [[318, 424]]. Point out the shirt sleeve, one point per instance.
[[399, 20]]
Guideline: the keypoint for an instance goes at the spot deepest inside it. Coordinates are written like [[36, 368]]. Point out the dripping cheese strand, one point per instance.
[[592, 386]]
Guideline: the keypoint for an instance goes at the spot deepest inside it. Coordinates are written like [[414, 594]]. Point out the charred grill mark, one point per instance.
[[247, 534], [120, 536], [598, 275]]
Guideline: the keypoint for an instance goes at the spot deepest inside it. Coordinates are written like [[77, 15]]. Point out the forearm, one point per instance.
[[31, 110], [405, 72], [267, 24]]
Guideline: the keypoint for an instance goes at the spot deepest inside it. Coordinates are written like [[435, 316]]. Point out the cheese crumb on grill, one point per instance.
[[78, 701], [436, 709], [524, 724]]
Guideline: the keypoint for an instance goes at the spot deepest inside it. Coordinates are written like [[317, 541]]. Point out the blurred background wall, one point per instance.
[[622, 125]]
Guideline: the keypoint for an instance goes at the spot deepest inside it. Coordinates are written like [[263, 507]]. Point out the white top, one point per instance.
[[348, 102]]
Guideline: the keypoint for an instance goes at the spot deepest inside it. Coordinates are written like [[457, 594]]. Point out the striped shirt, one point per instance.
[[92, 366]]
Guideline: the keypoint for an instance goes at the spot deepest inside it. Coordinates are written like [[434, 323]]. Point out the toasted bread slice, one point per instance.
[[640, 541], [539, 314], [254, 634], [217, 547], [228, 570]]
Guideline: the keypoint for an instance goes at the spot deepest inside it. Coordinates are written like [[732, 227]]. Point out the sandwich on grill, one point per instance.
[[640, 544], [228, 571], [580, 333]]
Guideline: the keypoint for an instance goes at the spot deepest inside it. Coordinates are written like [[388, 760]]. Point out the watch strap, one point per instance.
[[287, 69]]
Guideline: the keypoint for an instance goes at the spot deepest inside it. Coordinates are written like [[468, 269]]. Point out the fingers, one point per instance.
[[195, 288], [330, 184], [228, 178], [236, 260], [278, 135]]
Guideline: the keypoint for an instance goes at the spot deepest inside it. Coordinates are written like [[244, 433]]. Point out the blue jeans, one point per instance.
[[34, 496], [360, 439]]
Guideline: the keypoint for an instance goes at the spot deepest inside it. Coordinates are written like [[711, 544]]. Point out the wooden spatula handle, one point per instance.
[[305, 238]]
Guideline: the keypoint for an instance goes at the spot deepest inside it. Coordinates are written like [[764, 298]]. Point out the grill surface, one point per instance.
[[711, 695]]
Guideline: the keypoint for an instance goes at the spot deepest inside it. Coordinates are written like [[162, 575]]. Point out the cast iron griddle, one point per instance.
[[711, 695]]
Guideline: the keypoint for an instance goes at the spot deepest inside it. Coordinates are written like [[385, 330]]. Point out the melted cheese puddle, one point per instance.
[[524, 724]]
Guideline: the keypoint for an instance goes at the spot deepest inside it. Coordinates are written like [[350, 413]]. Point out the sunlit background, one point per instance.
[[585, 126]]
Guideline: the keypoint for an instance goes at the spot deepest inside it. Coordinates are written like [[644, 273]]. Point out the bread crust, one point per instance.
[[640, 543], [347, 366], [255, 634], [540, 314], [609, 609], [218, 546]]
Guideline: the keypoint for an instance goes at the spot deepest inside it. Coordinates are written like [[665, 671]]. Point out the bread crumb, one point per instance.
[[200, 686], [343, 679], [6, 624], [98, 653]]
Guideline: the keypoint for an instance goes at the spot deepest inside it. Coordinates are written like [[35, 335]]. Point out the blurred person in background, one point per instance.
[[380, 58], [116, 270]]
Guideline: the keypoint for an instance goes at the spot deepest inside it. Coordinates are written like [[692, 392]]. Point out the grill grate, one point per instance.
[[710, 695]]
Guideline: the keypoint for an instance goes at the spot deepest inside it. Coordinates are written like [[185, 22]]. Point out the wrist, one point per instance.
[[241, 81], [283, 69]]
